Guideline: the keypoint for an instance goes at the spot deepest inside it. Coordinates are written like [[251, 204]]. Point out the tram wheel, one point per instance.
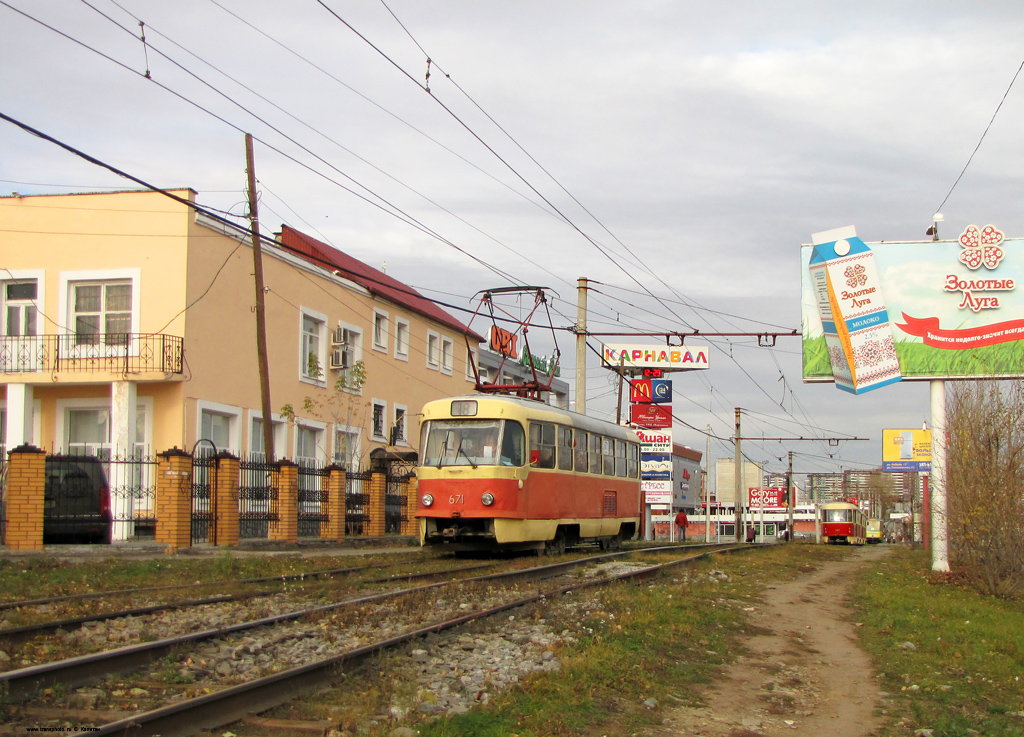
[[556, 546]]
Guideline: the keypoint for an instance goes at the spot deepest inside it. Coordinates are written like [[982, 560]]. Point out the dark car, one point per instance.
[[76, 502]]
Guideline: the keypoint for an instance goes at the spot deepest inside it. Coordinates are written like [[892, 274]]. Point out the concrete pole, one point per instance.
[[581, 345], [707, 489], [738, 483], [792, 499], [940, 541]]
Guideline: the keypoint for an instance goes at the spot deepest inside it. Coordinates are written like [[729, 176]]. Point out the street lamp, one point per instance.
[[934, 230]]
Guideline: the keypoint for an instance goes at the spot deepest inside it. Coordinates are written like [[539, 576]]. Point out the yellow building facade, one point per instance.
[[129, 326]]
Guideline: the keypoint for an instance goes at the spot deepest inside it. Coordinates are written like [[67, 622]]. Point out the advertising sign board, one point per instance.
[[656, 491], [656, 466], [655, 441], [664, 357], [650, 391], [651, 415], [906, 450], [770, 497], [954, 308]]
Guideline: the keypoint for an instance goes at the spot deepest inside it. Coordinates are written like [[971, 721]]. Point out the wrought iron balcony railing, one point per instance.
[[119, 353]]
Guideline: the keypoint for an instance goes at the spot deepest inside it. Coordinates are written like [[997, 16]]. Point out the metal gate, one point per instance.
[[357, 502], [132, 481], [396, 500], [314, 493], [204, 501], [258, 510]]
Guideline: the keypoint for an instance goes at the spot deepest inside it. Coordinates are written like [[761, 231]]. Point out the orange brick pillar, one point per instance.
[[174, 499], [26, 480], [410, 525], [336, 486], [227, 499], [287, 529], [377, 489]]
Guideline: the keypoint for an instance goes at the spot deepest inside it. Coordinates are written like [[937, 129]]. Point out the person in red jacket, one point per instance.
[[681, 523]]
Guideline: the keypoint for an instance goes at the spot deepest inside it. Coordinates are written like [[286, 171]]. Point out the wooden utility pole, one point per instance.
[[261, 317]]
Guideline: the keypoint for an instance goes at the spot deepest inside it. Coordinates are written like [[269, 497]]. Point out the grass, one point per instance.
[[965, 669]]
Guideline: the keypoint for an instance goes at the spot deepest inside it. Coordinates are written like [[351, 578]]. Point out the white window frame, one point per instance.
[[433, 354], [354, 460], [234, 428], [65, 306], [93, 403], [279, 427], [447, 356], [402, 439], [317, 427], [321, 319], [15, 276], [402, 346], [374, 403], [357, 348], [379, 326], [471, 360]]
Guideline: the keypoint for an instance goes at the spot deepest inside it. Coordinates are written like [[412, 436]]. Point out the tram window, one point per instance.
[[620, 458], [565, 448], [542, 445], [512, 443], [837, 515], [580, 451], [608, 454], [632, 457], [595, 453]]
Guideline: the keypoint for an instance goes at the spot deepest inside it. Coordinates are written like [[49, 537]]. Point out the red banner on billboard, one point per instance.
[[651, 415], [963, 338]]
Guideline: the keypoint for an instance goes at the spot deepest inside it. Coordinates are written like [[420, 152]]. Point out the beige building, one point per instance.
[[128, 325]]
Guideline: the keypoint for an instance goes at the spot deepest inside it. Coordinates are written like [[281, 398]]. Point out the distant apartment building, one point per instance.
[[128, 326]]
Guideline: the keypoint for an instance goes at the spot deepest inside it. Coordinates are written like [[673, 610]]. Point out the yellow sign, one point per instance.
[[906, 450]]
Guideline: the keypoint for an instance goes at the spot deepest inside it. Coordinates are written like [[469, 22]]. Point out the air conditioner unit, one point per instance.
[[338, 336], [338, 359]]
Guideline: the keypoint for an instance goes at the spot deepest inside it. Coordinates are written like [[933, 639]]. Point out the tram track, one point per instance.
[[271, 689]]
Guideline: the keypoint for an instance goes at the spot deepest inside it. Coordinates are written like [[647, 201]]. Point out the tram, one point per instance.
[[500, 472], [842, 523]]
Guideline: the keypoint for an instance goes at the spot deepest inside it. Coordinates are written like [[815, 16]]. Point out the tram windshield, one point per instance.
[[837, 515], [473, 443]]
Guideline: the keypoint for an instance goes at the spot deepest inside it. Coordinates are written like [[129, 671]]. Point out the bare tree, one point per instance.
[[985, 485]]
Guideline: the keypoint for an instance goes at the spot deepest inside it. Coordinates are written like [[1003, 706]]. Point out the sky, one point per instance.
[[676, 154]]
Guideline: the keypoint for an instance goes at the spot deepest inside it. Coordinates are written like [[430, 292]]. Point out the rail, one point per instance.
[[121, 353]]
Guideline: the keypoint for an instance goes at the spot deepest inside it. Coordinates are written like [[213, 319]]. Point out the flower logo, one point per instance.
[[981, 246], [855, 275]]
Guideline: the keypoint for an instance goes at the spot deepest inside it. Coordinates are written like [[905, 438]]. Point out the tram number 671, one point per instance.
[[457, 499]]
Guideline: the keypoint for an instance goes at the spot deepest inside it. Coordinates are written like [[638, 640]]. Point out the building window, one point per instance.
[[380, 330], [101, 312], [433, 350], [20, 310], [379, 413], [346, 352], [398, 429], [470, 363], [257, 450], [307, 442], [311, 366], [346, 448], [220, 424], [447, 355], [88, 432], [401, 339]]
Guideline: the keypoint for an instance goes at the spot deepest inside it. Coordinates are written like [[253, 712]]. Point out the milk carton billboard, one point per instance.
[[854, 319]]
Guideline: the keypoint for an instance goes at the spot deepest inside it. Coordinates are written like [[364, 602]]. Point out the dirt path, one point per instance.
[[804, 674]]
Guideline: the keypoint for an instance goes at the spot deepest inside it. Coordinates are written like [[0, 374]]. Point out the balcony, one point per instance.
[[112, 353]]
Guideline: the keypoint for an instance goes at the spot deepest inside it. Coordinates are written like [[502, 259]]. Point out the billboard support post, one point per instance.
[[940, 549]]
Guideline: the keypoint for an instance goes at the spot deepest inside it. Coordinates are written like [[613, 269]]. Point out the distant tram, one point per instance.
[[503, 473], [842, 524]]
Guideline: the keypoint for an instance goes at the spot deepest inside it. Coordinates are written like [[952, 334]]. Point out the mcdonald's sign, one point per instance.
[[650, 391]]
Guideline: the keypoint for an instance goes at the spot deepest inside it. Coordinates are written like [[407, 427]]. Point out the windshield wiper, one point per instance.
[[460, 450], [440, 455]]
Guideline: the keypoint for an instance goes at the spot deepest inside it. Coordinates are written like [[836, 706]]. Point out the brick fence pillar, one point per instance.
[[227, 499], [377, 490], [174, 499], [410, 525], [336, 487], [26, 481], [287, 529]]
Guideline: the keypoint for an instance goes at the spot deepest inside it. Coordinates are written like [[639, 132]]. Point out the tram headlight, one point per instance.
[[428, 500], [487, 499]]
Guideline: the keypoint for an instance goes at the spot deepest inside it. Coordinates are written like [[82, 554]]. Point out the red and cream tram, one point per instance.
[[843, 523], [502, 473]]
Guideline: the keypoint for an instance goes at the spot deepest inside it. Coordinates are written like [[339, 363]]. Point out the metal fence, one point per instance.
[[127, 353], [357, 502], [396, 500], [132, 482], [314, 494], [258, 510], [204, 502]]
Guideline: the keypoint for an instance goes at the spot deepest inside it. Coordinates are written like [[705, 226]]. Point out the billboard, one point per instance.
[[664, 357], [906, 450], [651, 415], [650, 391], [656, 491], [655, 441], [952, 306], [770, 497]]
